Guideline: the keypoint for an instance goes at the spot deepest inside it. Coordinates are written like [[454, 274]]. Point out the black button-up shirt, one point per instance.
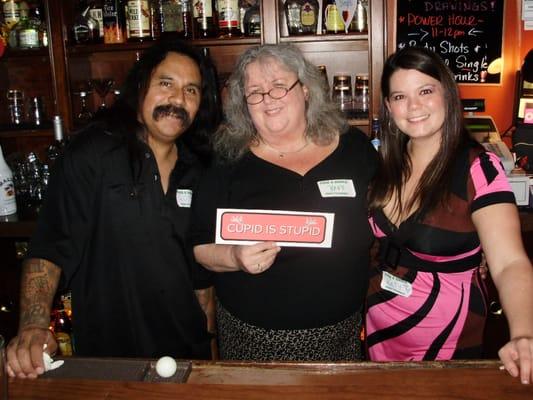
[[121, 244]]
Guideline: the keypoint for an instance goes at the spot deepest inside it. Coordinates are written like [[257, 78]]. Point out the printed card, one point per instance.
[[286, 228]]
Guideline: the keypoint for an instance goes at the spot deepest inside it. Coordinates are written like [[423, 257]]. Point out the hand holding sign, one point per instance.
[[255, 258]]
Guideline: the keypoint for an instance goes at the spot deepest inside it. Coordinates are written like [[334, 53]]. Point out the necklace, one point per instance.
[[282, 154]]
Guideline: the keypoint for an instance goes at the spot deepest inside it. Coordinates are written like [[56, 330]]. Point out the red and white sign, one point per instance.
[[286, 228]]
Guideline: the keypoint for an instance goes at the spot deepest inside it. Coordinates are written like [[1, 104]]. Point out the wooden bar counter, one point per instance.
[[296, 381]]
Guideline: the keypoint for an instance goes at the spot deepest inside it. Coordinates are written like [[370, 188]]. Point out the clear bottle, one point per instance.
[[228, 18], [114, 20], [205, 18], [359, 22], [8, 204], [84, 116], [138, 20], [35, 111]]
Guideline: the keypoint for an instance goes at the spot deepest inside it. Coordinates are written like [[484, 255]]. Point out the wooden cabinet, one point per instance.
[[59, 72]]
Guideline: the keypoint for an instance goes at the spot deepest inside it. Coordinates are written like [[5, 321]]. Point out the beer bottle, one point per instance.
[[205, 18]]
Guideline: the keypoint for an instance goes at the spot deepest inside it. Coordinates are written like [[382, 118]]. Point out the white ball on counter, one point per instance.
[[166, 367]]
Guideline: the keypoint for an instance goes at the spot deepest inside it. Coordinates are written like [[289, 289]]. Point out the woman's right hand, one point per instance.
[[25, 352], [255, 258]]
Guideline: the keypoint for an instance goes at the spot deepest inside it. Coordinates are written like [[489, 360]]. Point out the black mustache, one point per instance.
[[171, 110]]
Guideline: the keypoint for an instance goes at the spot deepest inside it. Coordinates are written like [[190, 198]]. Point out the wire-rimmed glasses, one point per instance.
[[275, 93]]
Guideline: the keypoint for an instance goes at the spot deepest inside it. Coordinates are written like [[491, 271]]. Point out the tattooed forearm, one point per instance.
[[206, 299], [38, 286]]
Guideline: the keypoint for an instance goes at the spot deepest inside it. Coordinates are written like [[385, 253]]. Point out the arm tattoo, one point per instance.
[[38, 285]]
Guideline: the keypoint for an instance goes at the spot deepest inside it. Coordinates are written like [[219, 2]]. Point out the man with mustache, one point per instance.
[[113, 227]]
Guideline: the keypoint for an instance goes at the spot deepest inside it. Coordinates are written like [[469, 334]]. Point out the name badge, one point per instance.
[[336, 188], [396, 285], [184, 197]]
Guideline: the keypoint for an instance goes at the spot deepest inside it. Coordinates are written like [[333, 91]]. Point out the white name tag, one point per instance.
[[184, 197], [396, 285], [336, 188]]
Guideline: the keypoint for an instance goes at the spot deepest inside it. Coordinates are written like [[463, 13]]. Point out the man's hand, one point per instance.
[[25, 352]]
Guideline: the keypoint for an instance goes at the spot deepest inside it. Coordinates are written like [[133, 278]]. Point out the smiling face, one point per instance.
[[276, 119], [416, 104], [172, 98]]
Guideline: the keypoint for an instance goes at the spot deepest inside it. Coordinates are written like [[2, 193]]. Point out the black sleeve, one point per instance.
[[209, 196], [65, 220]]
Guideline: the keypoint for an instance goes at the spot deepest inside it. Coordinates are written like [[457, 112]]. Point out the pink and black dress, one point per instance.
[[438, 310]]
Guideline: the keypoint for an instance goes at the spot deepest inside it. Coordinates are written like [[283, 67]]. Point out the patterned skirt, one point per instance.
[[238, 340]]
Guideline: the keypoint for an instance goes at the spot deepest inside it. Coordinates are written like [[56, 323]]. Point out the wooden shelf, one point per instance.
[[29, 132], [74, 50]]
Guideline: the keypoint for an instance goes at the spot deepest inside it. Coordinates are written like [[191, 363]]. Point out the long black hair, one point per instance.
[[121, 118]]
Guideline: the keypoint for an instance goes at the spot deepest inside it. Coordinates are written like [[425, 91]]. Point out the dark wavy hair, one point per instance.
[[395, 165], [121, 118]]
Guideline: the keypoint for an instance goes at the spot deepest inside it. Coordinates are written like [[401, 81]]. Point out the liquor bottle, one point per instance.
[[58, 145], [85, 29], [27, 32], [252, 21], [63, 332], [205, 18], [228, 18], [309, 16], [11, 12], [375, 133], [186, 29], [114, 21], [97, 13], [333, 21], [156, 18], [359, 22], [138, 20], [293, 11], [8, 204]]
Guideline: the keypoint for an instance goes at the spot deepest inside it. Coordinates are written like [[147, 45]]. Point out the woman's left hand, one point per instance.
[[517, 358]]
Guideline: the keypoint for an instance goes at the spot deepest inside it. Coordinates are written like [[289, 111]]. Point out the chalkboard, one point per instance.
[[467, 34]]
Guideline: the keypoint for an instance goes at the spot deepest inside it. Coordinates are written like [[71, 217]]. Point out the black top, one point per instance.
[[122, 250], [305, 287]]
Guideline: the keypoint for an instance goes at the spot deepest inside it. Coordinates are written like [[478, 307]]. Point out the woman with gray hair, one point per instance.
[[286, 147]]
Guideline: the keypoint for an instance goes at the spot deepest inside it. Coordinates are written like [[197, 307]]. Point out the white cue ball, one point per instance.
[[166, 367]]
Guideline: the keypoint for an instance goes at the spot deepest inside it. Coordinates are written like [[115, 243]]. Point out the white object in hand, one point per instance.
[[166, 367], [49, 363]]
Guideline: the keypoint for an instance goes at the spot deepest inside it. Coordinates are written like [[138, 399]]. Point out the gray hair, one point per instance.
[[237, 133]]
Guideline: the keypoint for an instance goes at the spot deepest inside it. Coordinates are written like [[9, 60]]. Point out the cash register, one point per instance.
[[483, 129]]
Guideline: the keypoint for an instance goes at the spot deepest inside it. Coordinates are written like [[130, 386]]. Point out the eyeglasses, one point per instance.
[[274, 93]]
